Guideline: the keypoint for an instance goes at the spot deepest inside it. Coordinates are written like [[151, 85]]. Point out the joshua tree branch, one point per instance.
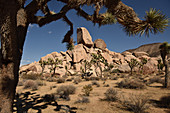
[[42, 20], [67, 37]]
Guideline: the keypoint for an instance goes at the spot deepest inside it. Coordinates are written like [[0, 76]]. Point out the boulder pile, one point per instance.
[[84, 49]]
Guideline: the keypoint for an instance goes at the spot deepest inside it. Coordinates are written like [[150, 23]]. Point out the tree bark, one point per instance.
[[13, 32], [167, 84]]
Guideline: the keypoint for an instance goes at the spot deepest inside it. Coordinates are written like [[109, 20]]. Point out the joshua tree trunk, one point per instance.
[[12, 39], [167, 74]]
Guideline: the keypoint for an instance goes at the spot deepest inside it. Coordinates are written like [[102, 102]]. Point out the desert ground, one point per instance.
[[145, 93]]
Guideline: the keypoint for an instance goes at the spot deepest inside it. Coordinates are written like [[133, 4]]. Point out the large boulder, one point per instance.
[[99, 43], [83, 37], [107, 57], [79, 53]]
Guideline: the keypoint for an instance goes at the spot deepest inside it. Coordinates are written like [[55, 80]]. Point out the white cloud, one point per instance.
[[49, 32]]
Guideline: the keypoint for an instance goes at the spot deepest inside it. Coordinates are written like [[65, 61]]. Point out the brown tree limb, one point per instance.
[[42, 20], [67, 37]]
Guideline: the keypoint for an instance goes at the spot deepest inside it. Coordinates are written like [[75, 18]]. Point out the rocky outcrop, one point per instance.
[[99, 43], [73, 60], [83, 37]]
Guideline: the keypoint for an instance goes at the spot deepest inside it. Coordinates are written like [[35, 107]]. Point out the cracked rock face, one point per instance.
[[83, 37]]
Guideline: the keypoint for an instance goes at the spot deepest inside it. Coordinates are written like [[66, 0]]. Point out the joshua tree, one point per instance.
[[160, 65], [142, 63], [42, 64], [132, 63], [96, 60], [16, 16], [164, 50], [87, 66], [54, 64]]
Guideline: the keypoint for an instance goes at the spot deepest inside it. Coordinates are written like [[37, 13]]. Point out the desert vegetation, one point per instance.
[[130, 93]]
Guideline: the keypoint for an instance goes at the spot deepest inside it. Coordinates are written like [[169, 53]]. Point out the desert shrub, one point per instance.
[[114, 77], [31, 76], [30, 84], [106, 85], [116, 71], [131, 84], [136, 103], [95, 78], [111, 94], [95, 83], [60, 80], [83, 100], [52, 79], [156, 79], [41, 83], [87, 89], [65, 90], [87, 78], [77, 80], [69, 79]]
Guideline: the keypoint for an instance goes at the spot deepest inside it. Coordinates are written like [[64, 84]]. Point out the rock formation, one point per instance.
[[99, 43], [73, 60], [83, 37]]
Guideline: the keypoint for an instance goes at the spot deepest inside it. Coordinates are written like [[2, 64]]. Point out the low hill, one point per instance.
[[151, 49]]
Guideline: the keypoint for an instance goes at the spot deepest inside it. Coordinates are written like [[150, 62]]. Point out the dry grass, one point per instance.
[[136, 103]]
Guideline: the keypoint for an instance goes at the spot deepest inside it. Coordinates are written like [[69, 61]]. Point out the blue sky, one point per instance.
[[42, 41]]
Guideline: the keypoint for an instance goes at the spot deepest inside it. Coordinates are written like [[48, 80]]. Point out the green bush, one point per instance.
[[87, 89]]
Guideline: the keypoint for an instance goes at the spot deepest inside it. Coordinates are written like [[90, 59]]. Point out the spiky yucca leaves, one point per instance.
[[42, 64], [154, 22], [132, 63], [96, 60], [160, 65], [108, 18], [54, 64], [164, 50], [142, 63]]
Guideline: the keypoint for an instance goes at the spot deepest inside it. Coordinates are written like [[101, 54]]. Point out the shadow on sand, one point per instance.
[[25, 101]]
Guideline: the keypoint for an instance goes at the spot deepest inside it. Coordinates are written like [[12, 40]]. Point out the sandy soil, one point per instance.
[[32, 101]]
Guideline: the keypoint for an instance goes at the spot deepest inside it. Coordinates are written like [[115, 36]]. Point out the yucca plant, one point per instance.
[[164, 50], [42, 64], [96, 60], [160, 65], [132, 63], [87, 66], [54, 64], [154, 22], [141, 64]]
